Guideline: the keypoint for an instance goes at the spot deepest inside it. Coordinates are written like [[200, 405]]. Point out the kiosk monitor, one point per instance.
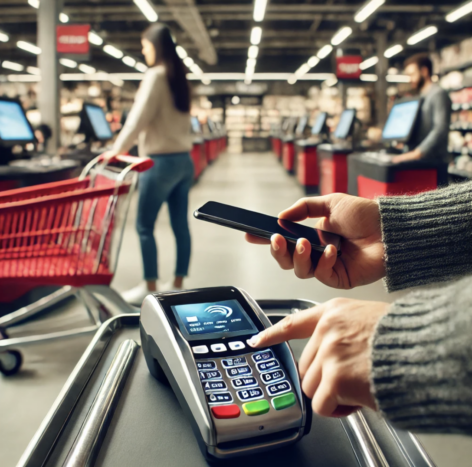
[[14, 126], [320, 124], [211, 125], [346, 124], [94, 123], [401, 121], [301, 125], [196, 128]]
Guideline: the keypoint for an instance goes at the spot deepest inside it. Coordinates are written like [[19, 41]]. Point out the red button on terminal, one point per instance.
[[226, 411]]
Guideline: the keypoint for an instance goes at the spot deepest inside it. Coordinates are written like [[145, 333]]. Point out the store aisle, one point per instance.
[[220, 257]]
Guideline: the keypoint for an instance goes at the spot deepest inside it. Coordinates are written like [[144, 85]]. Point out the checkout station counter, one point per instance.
[[297, 130], [306, 161], [285, 133], [373, 174], [332, 158], [198, 148], [19, 167]]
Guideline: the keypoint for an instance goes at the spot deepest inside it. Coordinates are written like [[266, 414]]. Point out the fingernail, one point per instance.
[[253, 341], [300, 248], [274, 243]]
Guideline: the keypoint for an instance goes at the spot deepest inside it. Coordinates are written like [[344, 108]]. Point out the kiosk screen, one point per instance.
[[99, 123], [196, 128], [344, 128], [319, 124], [401, 120], [301, 125], [213, 319], [13, 123]]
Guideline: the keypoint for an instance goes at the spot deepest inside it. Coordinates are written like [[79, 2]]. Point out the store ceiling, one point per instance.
[[216, 34]]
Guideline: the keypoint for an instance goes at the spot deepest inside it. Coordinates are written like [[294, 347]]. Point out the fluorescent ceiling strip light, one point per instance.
[[63, 18], [304, 69], [12, 66], [34, 3], [130, 61], [398, 78], [313, 61], [206, 81], [87, 69], [368, 77], [341, 35], [181, 52], [196, 70], [367, 63], [4, 37], [188, 61], [256, 35], [23, 78], [31, 48], [331, 81], [422, 35], [94, 38], [324, 51], [253, 51], [367, 10], [251, 62], [113, 51], [147, 10], [33, 70], [292, 79], [68, 63], [463, 10], [141, 67], [259, 10], [394, 50]]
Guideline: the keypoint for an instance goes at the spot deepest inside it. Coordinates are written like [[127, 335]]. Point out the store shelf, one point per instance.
[[462, 130]]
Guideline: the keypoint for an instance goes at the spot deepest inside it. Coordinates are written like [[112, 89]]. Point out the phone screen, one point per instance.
[[256, 223]]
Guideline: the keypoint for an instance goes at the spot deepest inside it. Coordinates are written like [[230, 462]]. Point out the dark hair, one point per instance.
[[160, 37], [421, 61]]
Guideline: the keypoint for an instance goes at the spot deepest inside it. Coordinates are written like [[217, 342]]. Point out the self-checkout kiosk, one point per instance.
[[307, 169], [198, 148], [374, 174], [211, 141], [296, 131], [332, 158]]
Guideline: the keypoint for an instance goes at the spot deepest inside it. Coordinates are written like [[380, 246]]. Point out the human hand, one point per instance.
[[335, 365], [408, 156], [109, 155], [356, 220]]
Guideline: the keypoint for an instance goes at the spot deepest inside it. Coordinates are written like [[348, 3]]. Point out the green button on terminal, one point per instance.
[[256, 407], [284, 402]]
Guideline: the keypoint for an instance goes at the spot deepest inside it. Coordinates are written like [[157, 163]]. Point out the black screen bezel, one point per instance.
[[415, 119], [214, 294], [10, 142], [351, 125]]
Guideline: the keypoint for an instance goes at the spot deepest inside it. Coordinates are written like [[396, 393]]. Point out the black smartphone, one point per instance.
[[265, 226]]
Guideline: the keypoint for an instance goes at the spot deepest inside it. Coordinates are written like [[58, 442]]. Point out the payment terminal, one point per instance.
[[239, 400]]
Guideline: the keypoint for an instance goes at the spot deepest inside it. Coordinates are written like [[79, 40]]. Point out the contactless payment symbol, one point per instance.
[[224, 310]]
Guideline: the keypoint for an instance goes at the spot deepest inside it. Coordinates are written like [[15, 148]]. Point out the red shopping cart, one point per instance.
[[64, 234]]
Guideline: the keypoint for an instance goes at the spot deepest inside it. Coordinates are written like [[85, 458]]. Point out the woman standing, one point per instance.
[[160, 119]]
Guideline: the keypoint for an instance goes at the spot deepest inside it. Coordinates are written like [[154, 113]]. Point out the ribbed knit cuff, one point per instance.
[[422, 360], [427, 237]]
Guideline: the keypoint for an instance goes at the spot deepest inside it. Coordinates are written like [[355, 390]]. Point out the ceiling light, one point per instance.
[[248, 80], [196, 70], [394, 50], [305, 68], [88, 70], [181, 52], [116, 81], [256, 35], [141, 67], [367, 10], [259, 10], [367, 77], [324, 51], [113, 51], [12, 66], [68, 63], [292, 79], [4, 37], [421, 35], [398, 78], [341, 35], [313, 61], [33, 70], [235, 100], [130, 61], [147, 10], [33, 3], [188, 61], [63, 18], [463, 10], [31, 48], [253, 51], [367, 63], [331, 81], [94, 38], [251, 63], [23, 78], [206, 81]]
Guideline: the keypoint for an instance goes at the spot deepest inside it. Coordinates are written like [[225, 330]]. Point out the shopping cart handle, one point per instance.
[[138, 164]]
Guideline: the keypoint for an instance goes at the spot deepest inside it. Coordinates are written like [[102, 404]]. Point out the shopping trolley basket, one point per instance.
[[64, 234]]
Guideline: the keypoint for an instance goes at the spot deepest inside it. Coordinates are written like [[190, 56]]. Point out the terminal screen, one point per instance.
[[345, 124], [13, 123], [214, 318], [196, 125], [319, 124], [400, 121], [301, 125], [99, 122]]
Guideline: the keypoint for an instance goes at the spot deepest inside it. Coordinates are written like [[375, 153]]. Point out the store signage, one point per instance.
[[73, 39], [347, 67]]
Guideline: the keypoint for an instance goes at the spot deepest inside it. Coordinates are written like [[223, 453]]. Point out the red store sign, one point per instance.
[[73, 39], [347, 67]]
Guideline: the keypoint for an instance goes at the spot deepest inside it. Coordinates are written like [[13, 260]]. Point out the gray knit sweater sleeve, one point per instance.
[[422, 360], [427, 237]]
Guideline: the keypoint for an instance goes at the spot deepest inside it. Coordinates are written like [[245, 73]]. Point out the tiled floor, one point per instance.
[[220, 257]]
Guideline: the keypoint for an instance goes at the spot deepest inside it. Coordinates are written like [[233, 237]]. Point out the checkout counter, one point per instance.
[[288, 143], [198, 148], [333, 158], [23, 169], [306, 161], [212, 138], [373, 174], [285, 132]]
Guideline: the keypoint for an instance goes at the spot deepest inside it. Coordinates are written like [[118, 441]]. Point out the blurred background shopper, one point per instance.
[[160, 119]]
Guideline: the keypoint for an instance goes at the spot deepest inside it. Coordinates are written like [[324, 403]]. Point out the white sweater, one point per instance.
[[154, 120]]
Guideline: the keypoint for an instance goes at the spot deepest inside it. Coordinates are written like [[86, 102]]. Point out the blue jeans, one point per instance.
[[169, 180]]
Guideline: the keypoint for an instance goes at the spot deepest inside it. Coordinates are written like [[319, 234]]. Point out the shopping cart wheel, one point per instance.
[[10, 362]]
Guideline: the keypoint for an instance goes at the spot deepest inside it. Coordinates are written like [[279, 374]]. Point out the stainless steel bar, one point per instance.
[[87, 443]]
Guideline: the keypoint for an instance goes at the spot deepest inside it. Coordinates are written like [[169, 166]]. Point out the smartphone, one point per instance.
[[265, 226]]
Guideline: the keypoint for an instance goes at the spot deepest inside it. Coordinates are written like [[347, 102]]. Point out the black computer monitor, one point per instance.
[[302, 122], [211, 125], [196, 127], [401, 120], [320, 124], [94, 124], [346, 124]]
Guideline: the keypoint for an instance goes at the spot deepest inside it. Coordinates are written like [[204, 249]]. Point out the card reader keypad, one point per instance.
[[247, 385]]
